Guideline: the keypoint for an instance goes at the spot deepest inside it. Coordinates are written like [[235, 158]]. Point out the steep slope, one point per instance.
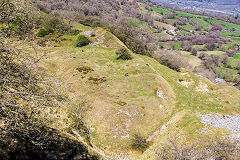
[[128, 97]]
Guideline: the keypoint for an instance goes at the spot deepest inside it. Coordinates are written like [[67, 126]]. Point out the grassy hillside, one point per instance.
[[76, 90], [136, 96]]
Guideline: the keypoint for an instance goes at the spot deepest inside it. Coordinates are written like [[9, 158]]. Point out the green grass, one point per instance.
[[234, 61], [237, 39], [188, 27], [227, 24], [160, 10], [171, 21], [237, 56], [219, 53], [228, 74], [201, 22], [183, 32], [224, 69], [161, 34], [137, 23], [194, 61], [189, 14], [177, 45], [198, 46], [81, 27], [230, 33]]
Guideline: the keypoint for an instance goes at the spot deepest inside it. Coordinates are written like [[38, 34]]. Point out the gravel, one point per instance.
[[216, 120]]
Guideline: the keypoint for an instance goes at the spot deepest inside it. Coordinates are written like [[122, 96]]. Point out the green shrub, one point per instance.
[[85, 69], [74, 32], [139, 142], [42, 32], [97, 80], [82, 41], [123, 54], [53, 24]]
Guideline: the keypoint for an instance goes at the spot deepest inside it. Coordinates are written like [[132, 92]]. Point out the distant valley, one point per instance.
[[230, 7]]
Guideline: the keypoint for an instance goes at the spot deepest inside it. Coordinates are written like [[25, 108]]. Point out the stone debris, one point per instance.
[[202, 87], [98, 42], [121, 156], [89, 33], [123, 128], [220, 108], [161, 94], [95, 44], [183, 74], [163, 128], [128, 114], [127, 136], [161, 106], [185, 83], [216, 120], [57, 82]]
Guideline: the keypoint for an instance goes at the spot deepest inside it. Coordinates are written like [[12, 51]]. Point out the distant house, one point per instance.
[[171, 32]]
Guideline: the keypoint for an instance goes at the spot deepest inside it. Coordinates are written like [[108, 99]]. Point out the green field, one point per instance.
[[194, 61], [201, 22], [161, 34], [228, 74], [177, 45], [189, 14], [137, 23], [188, 27], [237, 33], [219, 53], [160, 10], [234, 61], [227, 24], [171, 21]]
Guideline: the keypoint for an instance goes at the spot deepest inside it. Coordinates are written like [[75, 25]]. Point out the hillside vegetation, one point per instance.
[[83, 88]]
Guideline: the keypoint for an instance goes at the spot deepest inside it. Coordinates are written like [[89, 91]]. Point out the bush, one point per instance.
[[130, 36], [123, 54], [52, 24], [194, 52], [205, 148], [18, 19], [202, 56], [171, 59], [43, 9], [42, 32], [211, 46], [82, 41], [139, 142], [85, 69]]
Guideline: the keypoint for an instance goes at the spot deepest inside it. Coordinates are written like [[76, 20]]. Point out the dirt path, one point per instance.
[[178, 116], [92, 148]]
